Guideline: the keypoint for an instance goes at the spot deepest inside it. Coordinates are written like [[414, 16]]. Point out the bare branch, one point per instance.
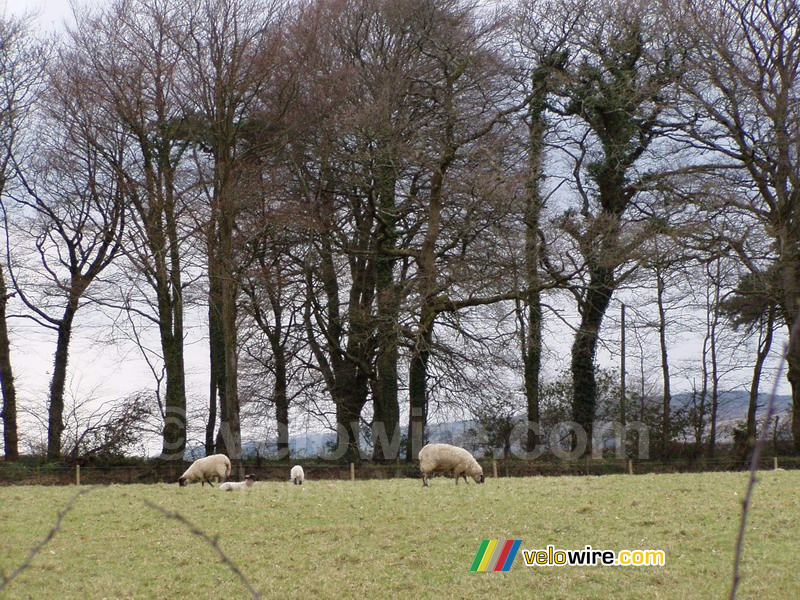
[[762, 440], [195, 530], [5, 580]]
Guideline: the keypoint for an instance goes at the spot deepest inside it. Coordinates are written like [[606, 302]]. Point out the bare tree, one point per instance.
[[132, 51], [745, 110], [469, 99], [227, 52], [753, 308], [542, 37], [22, 60], [70, 211], [614, 93]]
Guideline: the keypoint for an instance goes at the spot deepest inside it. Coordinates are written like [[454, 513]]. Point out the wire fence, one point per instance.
[[21, 473]]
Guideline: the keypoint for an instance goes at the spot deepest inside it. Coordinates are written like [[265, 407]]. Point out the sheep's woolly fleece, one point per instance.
[[444, 458], [297, 475], [216, 466], [235, 486]]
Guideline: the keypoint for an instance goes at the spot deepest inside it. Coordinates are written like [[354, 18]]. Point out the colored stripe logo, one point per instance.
[[495, 555]]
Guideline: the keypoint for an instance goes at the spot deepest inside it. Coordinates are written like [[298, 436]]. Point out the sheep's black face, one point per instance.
[[479, 478], [182, 482]]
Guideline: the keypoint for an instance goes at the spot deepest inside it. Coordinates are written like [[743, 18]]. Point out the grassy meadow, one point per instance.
[[394, 538]]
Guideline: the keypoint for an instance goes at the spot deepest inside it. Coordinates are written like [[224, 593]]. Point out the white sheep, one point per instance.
[[216, 466], [444, 458], [235, 486], [297, 475]]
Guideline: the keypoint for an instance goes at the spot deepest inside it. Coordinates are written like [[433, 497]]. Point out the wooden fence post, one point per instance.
[[352, 471], [630, 467], [77, 474], [494, 468], [776, 462]]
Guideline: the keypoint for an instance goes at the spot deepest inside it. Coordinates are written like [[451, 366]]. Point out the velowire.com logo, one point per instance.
[[495, 555]]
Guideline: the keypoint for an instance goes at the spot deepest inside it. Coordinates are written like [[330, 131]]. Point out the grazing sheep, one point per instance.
[[232, 486], [297, 475], [444, 458], [216, 466]]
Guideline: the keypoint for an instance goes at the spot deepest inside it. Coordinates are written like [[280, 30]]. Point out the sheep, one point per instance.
[[232, 486], [297, 475], [444, 458], [216, 466]]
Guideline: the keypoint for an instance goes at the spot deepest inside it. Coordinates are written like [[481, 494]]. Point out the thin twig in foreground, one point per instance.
[[4, 581], [194, 529], [754, 459]]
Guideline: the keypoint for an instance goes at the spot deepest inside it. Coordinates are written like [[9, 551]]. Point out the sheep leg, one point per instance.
[[425, 480]]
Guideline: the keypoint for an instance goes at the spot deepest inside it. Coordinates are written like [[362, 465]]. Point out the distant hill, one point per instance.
[[732, 408], [313, 444], [733, 404]]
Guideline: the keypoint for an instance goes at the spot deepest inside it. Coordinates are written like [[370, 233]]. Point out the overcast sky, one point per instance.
[[51, 12]]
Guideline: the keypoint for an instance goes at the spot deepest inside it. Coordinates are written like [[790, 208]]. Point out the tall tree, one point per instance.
[[72, 208], [468, 97], [541, 39], [22, 59], [132, 50], [745, 109], [227, 54], [622, 67], [753, 308]]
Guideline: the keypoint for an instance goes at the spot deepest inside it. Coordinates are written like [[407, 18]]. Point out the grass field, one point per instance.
[[393, 538]]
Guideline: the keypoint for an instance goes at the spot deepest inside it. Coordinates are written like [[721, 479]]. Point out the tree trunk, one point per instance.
[[584, 348], [350, 396], [170, 314], [222, 311], [281, 390], [662, 338], [793, 363], [216, 396], [55, 422], [418, 397], [229, 437], [532, 328], [713, 408], [174, 434], [532, 362], [386, 406], [281, 401], [9, 413], [700, 419], [790, 307], [764, 345]]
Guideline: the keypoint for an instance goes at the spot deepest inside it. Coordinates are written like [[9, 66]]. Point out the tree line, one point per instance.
[[381, 204]]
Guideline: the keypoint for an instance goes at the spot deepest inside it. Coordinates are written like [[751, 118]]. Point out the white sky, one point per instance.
[[51, 13]]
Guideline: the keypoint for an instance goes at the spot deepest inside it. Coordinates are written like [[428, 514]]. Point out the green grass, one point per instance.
[[379, 539]]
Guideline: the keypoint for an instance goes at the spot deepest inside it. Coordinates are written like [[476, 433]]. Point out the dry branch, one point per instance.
[[794, 338], [195, 530], [5, 580]]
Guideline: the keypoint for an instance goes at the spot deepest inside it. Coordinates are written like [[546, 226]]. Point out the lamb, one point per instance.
[[235, 486], [216, 466], [297, 475], [444, 458]]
